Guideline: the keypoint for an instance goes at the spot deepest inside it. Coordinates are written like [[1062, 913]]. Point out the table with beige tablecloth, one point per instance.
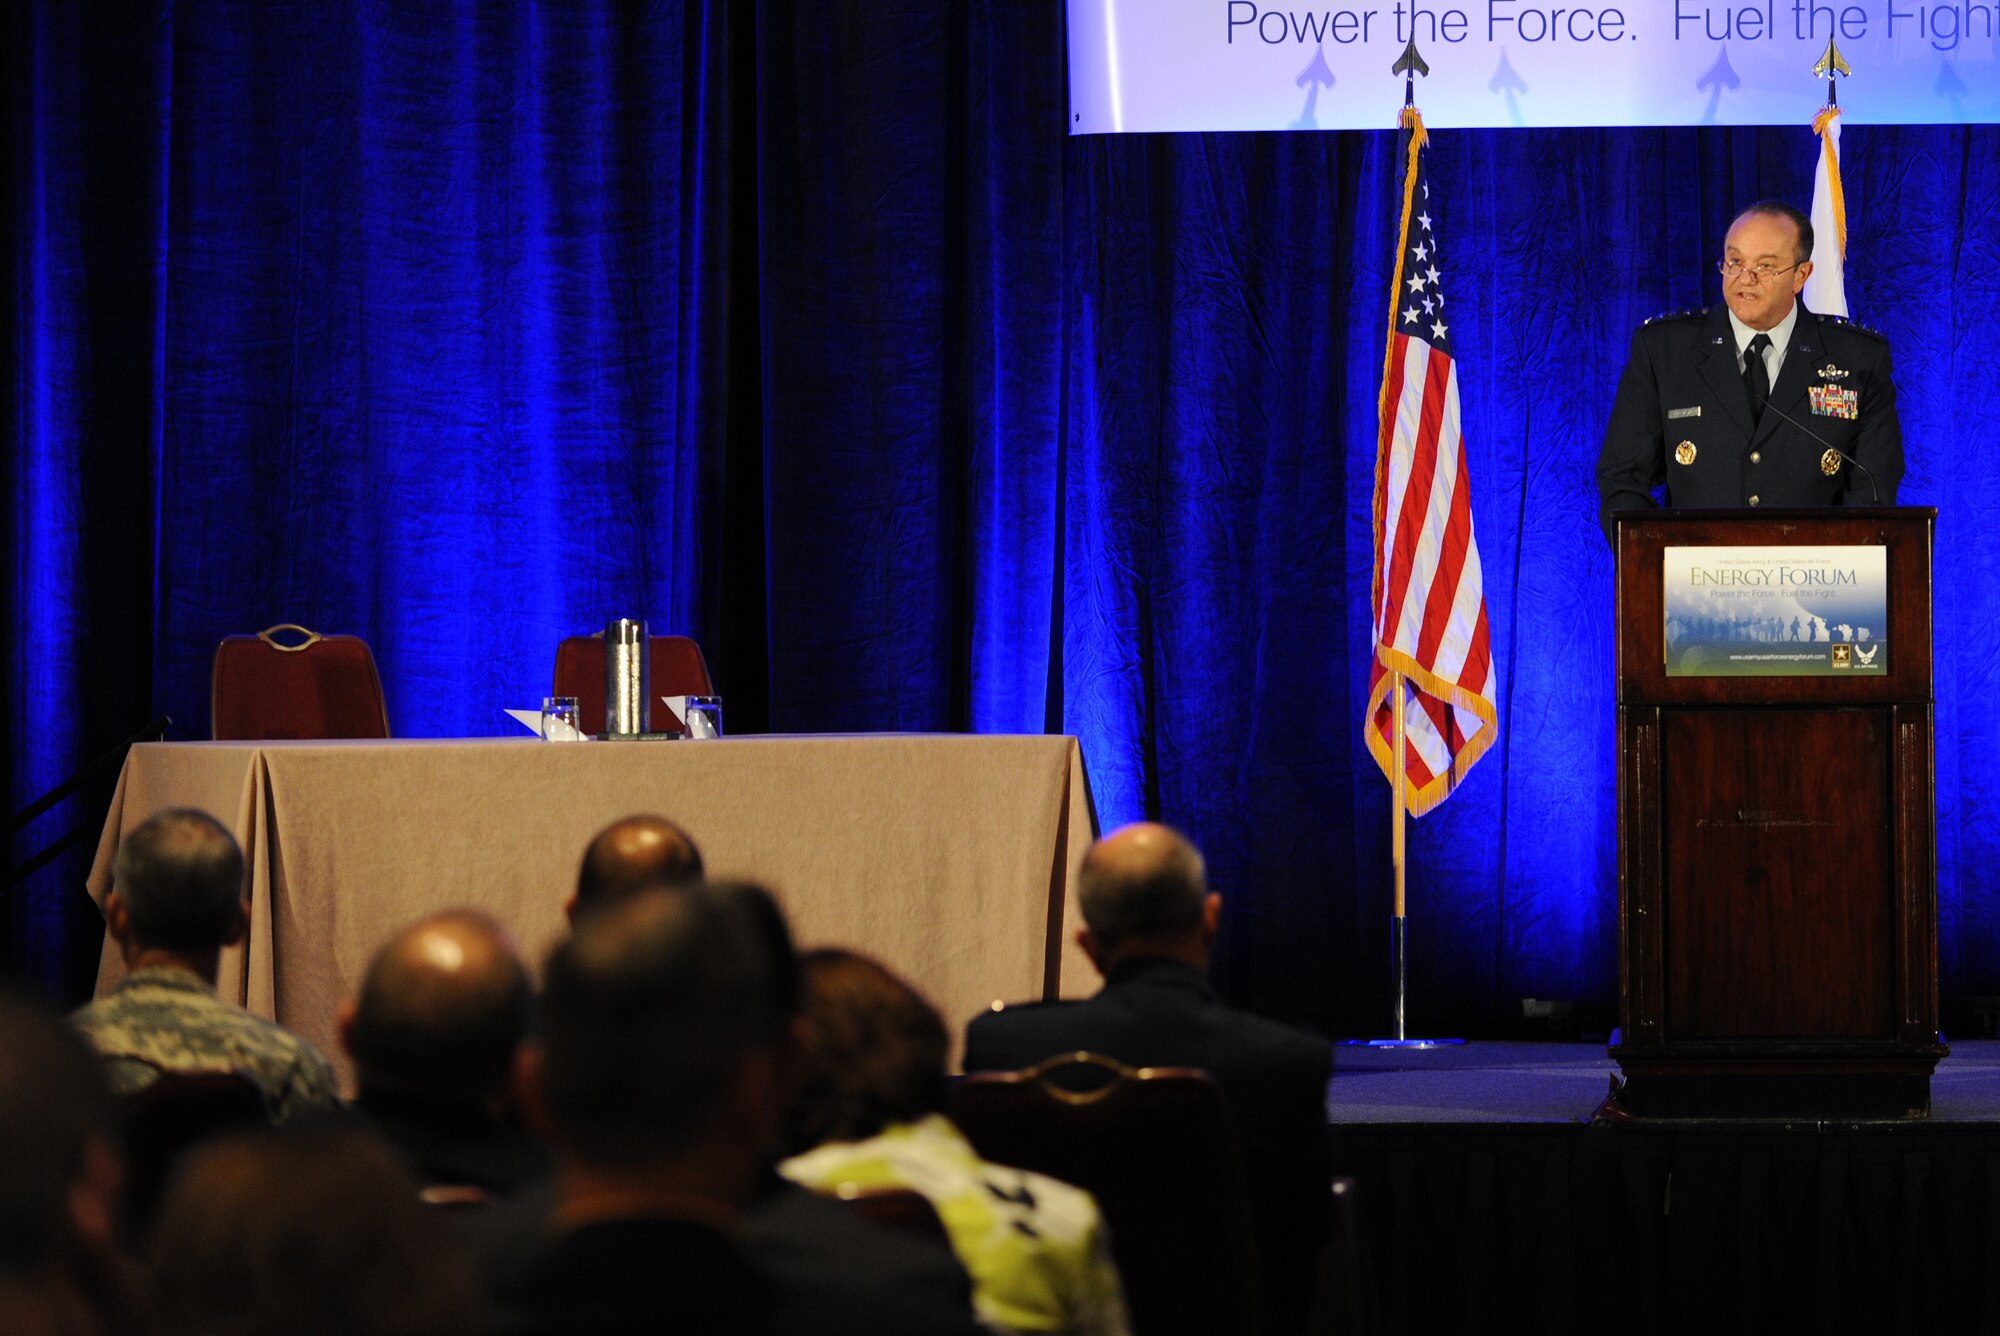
[[950, 857]]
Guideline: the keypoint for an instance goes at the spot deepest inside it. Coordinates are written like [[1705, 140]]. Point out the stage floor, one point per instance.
[[1485, 1202], [1496, 1081]]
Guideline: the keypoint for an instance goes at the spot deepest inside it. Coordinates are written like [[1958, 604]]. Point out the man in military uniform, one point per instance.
[[177, 899], [1755, 402]]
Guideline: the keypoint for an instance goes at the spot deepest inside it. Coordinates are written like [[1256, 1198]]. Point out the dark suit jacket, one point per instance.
[[790, 1235], [1162, 1013], [665, 1275], [456, 1142], [1682, 419]]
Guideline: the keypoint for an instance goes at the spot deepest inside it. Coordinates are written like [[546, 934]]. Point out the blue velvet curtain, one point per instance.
[[805, 328]]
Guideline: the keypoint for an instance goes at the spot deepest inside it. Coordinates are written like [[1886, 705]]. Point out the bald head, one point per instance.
[[1144, 888], [442, 1008], [636, 852]]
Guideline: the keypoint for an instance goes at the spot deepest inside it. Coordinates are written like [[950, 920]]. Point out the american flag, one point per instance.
[[1429, 602]]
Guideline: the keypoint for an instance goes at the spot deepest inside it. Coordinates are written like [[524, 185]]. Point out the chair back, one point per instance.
[[677, 668], [322, 687], [171, 1116], [1157, 1148]]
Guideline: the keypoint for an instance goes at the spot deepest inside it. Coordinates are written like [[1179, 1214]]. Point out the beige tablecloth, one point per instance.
[[950, 857]]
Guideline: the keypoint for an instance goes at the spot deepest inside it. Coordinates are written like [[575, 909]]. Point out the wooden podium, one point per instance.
[[1777, 886]]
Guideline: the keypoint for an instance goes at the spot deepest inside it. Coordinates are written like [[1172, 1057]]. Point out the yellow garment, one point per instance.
[[1034, 1247]]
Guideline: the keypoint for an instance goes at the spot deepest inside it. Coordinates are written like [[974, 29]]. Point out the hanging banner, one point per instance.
[[1166, 65]]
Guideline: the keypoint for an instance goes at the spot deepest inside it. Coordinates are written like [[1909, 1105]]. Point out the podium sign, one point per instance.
[[1777, 880], [1775, 611]]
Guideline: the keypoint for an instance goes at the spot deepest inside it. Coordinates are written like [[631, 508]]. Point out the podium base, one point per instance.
[[1816, 1080]]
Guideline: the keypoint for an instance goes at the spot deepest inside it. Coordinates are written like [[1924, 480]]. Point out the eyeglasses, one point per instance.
[[1763, 273]]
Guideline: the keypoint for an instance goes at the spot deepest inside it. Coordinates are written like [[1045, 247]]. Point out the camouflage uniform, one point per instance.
[[166, 1019]]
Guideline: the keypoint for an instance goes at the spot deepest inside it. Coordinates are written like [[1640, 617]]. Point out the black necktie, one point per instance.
[[1757, 376]]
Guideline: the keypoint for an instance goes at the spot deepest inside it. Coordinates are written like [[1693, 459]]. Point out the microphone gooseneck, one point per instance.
[[1874, 492]]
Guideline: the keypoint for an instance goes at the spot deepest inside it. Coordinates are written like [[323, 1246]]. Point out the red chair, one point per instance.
[[678, 669], [1157, 1147], [322, 687]]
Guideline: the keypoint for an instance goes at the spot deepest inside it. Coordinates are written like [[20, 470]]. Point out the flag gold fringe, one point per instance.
[[1826, 118]]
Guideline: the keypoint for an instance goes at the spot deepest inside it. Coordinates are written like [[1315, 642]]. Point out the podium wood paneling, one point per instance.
[[1777, 881]]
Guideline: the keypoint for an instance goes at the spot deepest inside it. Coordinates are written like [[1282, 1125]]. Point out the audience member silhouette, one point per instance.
[[306, 1231], [632, 854], [1150, 920], [804, 1235], [799, 1236], [60, 1271], [658, 1074], [869, 1116], [177, 899], [434, 1033]]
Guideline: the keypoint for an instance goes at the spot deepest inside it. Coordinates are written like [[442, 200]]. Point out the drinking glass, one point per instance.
[[559, 716]]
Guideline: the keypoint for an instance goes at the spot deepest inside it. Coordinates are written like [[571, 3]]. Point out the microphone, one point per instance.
[[1874, 492]]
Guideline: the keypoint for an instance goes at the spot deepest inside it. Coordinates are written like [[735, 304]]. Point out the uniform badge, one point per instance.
[[1835, 401], [1675, 414], [1829, 463], [1684, 453], [1831, 372]]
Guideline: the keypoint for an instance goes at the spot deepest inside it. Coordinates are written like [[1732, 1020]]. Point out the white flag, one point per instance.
[[1826, 286]]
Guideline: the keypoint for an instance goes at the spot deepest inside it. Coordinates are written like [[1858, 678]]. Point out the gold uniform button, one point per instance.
[[1753, 501], [1756, 457]]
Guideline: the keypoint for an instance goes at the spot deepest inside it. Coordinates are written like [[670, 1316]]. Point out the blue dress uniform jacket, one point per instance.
[[1682, 419]]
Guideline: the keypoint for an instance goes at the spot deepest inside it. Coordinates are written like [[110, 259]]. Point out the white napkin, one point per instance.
[[697, 722]]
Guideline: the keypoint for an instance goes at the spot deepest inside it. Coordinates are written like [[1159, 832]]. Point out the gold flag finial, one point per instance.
[[1831, 60]]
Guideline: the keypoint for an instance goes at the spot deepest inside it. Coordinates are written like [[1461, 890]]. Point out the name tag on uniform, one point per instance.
[[1675, 414], [1835, 401]]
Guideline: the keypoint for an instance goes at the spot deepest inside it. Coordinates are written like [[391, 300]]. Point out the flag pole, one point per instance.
[[1398, 923], [1399, 862], [1410, 64]]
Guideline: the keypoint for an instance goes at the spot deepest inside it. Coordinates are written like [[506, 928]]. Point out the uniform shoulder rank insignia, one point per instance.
[[1679, 315], [1845, 323]]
